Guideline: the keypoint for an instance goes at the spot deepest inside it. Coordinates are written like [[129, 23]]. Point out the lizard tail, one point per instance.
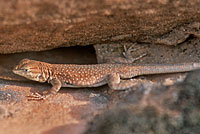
[[165, 68]]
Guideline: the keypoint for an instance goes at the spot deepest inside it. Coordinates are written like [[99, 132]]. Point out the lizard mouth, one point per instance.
[[16, 71], [21, 72]]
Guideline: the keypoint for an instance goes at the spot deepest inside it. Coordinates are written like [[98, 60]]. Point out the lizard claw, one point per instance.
[[139, 57], [36, 96]]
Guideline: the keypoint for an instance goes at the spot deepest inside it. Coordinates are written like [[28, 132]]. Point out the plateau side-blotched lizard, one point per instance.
[[72, 75]]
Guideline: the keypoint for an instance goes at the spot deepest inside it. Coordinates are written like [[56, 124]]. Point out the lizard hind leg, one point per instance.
[[115, 83], [128, 58]]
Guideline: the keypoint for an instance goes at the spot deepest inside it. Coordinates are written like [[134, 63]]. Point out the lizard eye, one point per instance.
[[26, 70]]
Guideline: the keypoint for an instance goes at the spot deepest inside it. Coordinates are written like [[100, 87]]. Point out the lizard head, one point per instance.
[[31, 70]]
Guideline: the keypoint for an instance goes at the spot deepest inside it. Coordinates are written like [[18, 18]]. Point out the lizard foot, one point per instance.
[[127, 53], [37, 96]]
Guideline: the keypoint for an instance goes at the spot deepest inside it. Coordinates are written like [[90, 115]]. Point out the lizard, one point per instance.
[[93, 75]]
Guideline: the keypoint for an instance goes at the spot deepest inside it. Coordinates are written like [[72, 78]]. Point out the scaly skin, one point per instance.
[[72, 75]]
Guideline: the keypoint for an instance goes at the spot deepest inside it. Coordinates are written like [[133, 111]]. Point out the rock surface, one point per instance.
[[154, 109], [43, 25]]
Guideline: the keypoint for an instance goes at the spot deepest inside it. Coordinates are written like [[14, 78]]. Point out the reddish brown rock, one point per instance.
[[43, 25]]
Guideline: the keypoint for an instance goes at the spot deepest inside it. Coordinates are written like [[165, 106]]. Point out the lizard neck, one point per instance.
[[46, 72]]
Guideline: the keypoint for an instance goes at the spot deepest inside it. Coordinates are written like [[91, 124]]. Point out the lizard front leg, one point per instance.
[[56, 85], [115, 83]]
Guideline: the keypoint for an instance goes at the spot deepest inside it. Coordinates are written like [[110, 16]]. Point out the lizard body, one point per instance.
[[72, 75]]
